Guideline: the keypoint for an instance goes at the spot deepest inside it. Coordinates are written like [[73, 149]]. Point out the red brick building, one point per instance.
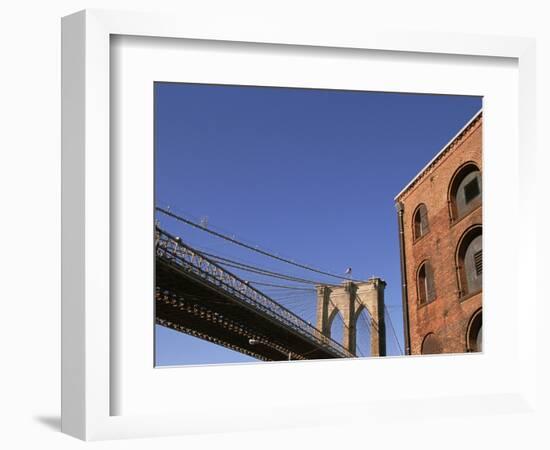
[[440, 223]]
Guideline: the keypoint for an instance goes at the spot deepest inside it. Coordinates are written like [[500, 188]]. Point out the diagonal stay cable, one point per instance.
[[249, 247], [282, 286], [393, 331], [256, 269], [262, 272]]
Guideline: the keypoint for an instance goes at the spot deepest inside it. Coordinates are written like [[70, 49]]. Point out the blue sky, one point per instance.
[[307, 174]]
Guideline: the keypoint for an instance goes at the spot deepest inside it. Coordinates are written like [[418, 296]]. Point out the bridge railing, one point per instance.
[[173, 250]]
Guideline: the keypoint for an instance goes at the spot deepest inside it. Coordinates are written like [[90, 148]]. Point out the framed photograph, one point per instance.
[[257, 219]]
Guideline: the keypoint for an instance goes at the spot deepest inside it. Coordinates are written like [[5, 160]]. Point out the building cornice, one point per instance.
[[444, 151]]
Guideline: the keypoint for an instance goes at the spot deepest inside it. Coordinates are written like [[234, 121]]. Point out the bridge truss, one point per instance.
[[197, 296]]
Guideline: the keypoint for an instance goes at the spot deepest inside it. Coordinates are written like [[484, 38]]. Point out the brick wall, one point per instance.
[[449, 314]]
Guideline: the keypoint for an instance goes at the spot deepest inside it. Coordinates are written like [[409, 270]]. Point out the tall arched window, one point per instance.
[[465, 191], [430, 345], [425, 283], [420, 219], [470, 261], [474, 335]]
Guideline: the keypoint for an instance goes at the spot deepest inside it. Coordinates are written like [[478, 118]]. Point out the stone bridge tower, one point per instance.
[[349, 299]]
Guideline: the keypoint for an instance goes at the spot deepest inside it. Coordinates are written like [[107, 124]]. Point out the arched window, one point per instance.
[[430, 345], [425, 283], [465, 191], [470, 261], [474, 336], [420, 220]]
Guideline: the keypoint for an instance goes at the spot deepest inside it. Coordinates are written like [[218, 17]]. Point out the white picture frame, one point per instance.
[[90, 326]]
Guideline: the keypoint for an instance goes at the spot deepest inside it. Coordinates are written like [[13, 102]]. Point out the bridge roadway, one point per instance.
[[196, 296]]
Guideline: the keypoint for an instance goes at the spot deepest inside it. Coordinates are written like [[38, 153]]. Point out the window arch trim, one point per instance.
[[475, 324], [467, 237], [428, 292], [420, 224], [458, 176], [435, 341]]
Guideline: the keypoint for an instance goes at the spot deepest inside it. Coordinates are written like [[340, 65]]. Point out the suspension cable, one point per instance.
[[250, 247], [256, 269], [393, 331], [282, 286], [266, 273]]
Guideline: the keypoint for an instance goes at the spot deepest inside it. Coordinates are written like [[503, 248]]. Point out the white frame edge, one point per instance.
[[72, 226], [86, 174]]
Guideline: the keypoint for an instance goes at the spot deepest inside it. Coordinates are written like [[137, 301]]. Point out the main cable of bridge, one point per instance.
[[255, 269], [221, 259], [282, 286], [250, 247]]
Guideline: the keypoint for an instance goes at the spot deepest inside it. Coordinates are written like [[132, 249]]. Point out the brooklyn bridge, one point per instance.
[[198, 295]]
